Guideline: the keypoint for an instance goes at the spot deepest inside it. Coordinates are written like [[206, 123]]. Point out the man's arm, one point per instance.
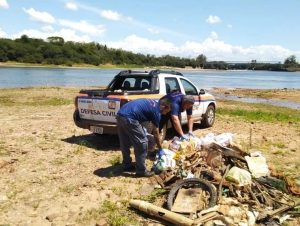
[[177, 125], [156, 137], [190, 122]]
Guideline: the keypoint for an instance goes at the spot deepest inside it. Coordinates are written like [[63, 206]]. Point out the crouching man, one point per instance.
[[131, 132]]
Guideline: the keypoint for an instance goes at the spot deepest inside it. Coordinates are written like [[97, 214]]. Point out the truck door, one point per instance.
[[190, 89]]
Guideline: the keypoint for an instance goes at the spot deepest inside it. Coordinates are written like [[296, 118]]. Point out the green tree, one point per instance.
[[56, 39], [290, 61], [201, 60]]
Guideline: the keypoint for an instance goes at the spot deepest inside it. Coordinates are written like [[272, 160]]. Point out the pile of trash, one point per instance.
[[211, 181]]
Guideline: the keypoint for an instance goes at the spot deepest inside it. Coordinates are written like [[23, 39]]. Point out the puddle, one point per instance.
[[280, 103]]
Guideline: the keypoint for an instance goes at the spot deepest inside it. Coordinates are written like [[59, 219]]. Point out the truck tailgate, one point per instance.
[[98, 109]]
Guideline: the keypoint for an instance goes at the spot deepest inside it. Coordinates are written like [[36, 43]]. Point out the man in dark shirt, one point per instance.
[[180, 103], [131, 132]]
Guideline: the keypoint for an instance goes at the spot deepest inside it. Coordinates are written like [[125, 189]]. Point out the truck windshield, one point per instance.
[[130, 83]]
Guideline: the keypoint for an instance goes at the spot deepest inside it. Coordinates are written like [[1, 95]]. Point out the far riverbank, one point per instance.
[[114, 66], [102, 66]]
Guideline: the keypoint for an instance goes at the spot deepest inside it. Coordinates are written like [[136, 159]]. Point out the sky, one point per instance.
[[227, 30]]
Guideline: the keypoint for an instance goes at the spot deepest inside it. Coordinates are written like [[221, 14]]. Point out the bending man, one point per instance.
[[131, 132], [180, 103]]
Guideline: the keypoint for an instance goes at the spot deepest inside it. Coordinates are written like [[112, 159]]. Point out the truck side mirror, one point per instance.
[[202, 92]]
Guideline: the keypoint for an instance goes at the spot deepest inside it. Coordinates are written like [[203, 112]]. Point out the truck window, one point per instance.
[[188, 87], [171, 85], [132, 83]]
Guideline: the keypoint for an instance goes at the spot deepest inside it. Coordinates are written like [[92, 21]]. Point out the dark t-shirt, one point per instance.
[[141, 110], [176, 101]]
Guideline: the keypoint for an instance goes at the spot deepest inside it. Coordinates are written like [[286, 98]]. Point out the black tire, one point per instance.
[[209, 117], [76, 118], [192, 183]]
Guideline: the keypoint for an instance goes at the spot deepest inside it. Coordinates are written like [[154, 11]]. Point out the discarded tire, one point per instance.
[[193, 183]]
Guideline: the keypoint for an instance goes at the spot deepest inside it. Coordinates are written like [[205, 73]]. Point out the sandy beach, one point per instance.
[[53, 173]]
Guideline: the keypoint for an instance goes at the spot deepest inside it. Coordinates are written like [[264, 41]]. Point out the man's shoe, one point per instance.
[[130, 168], [145, 174], [151, 155]]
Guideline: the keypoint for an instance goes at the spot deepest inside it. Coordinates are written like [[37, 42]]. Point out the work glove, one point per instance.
[[190, 133], [184, 137], [160, 153]]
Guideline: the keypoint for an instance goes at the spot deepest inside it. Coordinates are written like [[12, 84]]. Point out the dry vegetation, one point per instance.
[[53, 173]]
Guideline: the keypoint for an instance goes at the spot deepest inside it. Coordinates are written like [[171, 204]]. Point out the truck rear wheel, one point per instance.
[[209, 117]]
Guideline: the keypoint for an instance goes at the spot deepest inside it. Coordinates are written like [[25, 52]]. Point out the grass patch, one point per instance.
[[67, 189], [42, 96], [7, 101], [49, 101], [117, 190], [60, 161], [13, 191], [79, 149], [156, 193], [254, 112], [3, 149], [115, 215], [115, 160], [280, 152], [38, 101]]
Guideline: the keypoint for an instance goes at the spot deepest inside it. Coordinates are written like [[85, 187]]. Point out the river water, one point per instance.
[[11, 77], [28, 77]]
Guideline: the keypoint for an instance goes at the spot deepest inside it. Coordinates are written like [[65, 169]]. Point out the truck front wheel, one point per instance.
[[209, 117]]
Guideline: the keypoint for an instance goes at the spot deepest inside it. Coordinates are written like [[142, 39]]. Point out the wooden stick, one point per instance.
[[207, 217], [161, 213], [221, 183], [277, 211]]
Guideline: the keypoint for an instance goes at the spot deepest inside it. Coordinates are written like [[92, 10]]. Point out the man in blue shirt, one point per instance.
[[180, 103], [131, 132]]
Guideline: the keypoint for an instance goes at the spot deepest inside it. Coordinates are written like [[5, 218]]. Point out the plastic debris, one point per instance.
[[239, 176], [246, 193], [257, 165]]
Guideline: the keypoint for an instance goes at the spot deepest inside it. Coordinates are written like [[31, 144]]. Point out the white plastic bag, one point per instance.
[[224, 139], [239, 176], [257, 165]]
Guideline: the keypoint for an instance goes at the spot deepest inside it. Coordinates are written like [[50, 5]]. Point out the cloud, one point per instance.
[[3, 34], [214, 35], [143, 45], [215, 49], [67, 34], [40, 16], [71, 6], [153, 30], [83, 27], [47, 28], [211, 47], [213, 19], [110, 15], [4, 4]]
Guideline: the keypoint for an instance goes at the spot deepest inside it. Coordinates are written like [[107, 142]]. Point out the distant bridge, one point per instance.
[[253, 62]]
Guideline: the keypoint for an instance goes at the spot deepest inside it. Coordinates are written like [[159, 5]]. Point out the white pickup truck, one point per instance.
[[96, 109]]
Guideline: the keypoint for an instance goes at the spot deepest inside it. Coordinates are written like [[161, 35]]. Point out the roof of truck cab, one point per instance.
[[152, 73]]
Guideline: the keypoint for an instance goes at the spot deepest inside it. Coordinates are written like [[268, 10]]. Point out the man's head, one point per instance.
[[164, 106], [187, 102]]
